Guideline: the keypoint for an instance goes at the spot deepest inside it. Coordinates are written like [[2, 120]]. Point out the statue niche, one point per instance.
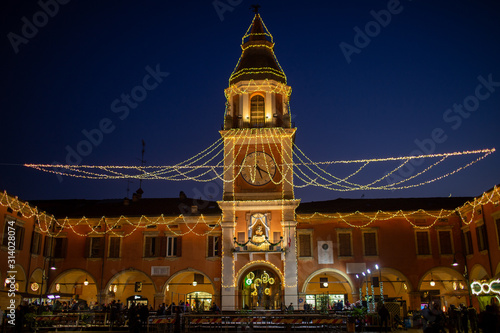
[[258, 229]]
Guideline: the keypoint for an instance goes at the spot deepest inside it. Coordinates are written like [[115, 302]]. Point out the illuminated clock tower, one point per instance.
[[259, 260]]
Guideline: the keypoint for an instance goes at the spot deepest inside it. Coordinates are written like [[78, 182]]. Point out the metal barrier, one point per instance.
[[71, 321], [268, 321], [160, 324]]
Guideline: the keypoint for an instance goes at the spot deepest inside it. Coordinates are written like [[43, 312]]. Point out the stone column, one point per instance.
[[290, 264], [228, 290], [159, 298]]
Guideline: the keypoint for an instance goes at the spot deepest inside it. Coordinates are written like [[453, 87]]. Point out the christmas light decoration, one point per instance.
[[304, 169]]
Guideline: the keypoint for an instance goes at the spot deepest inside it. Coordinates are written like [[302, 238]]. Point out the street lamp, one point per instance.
[[465, 274], [380, 282]]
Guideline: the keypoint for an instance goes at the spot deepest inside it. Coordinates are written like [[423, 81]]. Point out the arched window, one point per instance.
[[257, 115]]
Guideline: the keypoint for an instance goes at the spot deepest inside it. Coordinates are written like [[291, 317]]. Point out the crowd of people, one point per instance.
[[461, 319]]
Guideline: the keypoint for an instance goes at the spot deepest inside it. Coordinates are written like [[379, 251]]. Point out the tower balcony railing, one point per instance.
[[258, 246]]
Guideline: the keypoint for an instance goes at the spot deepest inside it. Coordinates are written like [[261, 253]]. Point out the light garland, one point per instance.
[[304, 169]]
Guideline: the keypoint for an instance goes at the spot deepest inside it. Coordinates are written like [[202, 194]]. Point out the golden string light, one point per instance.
[[306, 171]]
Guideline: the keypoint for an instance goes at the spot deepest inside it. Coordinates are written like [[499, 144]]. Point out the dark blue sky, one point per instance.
[[395, 90]]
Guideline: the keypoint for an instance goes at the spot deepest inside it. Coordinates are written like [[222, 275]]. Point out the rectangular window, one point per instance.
[[36, 243], [151, 246], [95, 247], [468, 242], [214, 246], [423, 246], [13, 229], [445, 246], [55, 247], [114, 247], [345, 244], [482, 239], [174, 246], [305, 245], [60, 247], [370, 243]]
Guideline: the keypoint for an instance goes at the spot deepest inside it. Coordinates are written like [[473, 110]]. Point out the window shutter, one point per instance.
[[163, 246], [5, 241], [345, 245], [445, 242], [210, 246], [20, 232], [114, 247], [147, 247], [370, 243], [468, 242], [100, 247], [46, 246], [86, 254], [64, 247], [39, 243], [179, 246], [305, 245], [423, 243], [34, 243], [219, 246]]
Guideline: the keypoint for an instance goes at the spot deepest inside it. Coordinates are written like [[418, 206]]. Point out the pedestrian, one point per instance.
[[384, 317]]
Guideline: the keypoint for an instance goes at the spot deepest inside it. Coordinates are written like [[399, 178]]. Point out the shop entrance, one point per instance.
[[260, 289]]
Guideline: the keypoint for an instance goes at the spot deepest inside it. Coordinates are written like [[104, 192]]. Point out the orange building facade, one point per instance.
[[259, 246]]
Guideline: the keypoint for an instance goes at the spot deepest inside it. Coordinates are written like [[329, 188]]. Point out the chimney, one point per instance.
[[137, 195]]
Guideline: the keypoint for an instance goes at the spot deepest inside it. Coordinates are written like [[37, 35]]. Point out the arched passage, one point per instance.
[[325, 287], [395, 285], [71, 284], [192, 286], [259, 286], [444, 285], [131, 285], [36, 285]]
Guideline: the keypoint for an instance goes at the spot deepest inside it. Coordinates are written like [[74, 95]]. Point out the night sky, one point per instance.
[[377, 99]]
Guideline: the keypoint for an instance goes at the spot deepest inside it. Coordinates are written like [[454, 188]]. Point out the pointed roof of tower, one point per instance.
[[257, 61]]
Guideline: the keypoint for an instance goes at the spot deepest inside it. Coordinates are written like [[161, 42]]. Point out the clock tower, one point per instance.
[[259, 260]]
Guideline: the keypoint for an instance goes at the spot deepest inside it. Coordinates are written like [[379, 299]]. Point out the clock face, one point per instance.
[[258, 168]]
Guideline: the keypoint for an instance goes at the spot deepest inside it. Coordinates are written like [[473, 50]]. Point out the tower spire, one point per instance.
[[257, 61]]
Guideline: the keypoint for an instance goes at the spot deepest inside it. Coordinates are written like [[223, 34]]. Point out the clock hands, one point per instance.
[[260, 169]]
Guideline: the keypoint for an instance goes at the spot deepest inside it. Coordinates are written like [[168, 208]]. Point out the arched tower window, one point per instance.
[[257, 115]]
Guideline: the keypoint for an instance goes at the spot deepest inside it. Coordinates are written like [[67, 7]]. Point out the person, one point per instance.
[[472, 314], [215, 308], [290, 307], [464, 319], [488, 319], [428, 317], [1, 318], [453, 318], [384, 317]]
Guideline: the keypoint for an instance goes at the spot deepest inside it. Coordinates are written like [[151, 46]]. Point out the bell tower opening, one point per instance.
[[257, 111]]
